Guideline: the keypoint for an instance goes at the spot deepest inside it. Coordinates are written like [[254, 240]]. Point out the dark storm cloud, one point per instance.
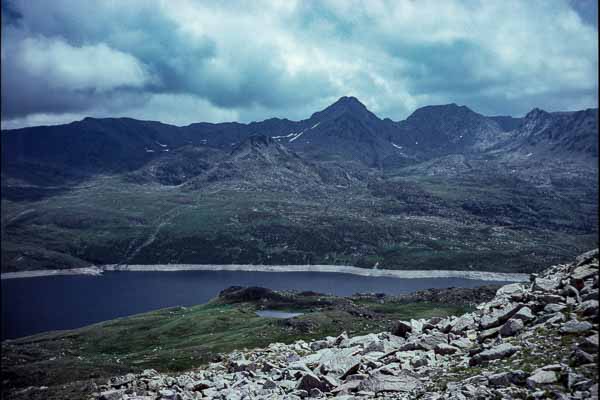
[[587, 10], [10, 15], [187, 61]]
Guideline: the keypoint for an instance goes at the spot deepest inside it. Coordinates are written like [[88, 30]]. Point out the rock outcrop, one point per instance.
[[536, 340]]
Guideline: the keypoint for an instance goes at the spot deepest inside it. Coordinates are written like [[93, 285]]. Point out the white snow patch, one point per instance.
[[165, 149], [160, 144], [529, 155], [297, 136], [315, 125], [396, 146], [416, 142], [149, 151], [285, 136]]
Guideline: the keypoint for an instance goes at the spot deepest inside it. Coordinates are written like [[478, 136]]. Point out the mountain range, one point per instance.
[[447, 188]]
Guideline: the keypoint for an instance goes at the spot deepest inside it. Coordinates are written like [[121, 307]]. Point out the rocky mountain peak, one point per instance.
[[536, 120], [441, 111], [349, 101], [447, 129], [536, 114], [346, 105]]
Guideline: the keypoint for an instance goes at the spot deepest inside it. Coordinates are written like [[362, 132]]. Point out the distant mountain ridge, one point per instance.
[[447, 188], [344, 131]]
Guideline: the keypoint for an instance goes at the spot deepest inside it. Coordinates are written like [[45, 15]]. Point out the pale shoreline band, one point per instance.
[[404, 274]]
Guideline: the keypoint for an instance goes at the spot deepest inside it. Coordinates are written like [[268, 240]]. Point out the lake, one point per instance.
[[34, 305]]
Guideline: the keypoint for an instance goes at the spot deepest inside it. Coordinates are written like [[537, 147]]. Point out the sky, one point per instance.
[[185, 61]]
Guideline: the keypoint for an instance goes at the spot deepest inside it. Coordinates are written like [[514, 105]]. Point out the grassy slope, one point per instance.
[[405, 223]]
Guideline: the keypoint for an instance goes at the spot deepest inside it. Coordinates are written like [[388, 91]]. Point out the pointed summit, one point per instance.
[[344, 105], [348, 102], [537, 113]]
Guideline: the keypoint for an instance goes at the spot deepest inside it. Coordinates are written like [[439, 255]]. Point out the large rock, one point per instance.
[[417, 325], [463, 323], [499, 316], [571, 291], [343, 336], [112, 394], [503, 379], [167, 394], [584, 272], [590, 343], [309, 381], [594, 391], [575, 326], [461, 343], [380, 383], [429, 341], [554, 318], [554, 308], [581, 357], [512, 327], [589, 307], [545, 285], [524, 314], [541, 378], [511, 290], [242, 365], [319, 344], [444, 349], [269, 384], [338, 361], [587, 257], [497, 352], [488, 333], [121, 380], [402, 329]]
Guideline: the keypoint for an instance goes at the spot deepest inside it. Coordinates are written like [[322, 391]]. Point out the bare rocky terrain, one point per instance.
[[536, 340]]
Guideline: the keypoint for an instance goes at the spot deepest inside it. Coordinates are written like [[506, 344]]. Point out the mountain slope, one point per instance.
[[347, 131], [564, 135], [448, 129], [259, 162], [340, 187]]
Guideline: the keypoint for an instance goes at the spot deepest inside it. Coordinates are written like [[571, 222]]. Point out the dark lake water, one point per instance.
[[34, 305]]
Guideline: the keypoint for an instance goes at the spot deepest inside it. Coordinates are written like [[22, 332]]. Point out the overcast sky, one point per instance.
[[182, 61]]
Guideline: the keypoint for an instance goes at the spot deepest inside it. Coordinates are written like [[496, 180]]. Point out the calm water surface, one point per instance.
[[277, 314], [34, 305]]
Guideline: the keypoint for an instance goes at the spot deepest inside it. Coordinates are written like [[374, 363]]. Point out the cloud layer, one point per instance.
[[188, 61]]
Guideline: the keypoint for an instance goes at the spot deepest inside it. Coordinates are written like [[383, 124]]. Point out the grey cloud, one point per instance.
[[10, 15], [394, 56]]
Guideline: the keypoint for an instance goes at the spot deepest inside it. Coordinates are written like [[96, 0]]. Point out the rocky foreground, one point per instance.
[[536, 340]]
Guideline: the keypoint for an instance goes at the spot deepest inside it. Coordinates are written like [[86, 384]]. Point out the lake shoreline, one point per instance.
[[93, 271], [402, 274]]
